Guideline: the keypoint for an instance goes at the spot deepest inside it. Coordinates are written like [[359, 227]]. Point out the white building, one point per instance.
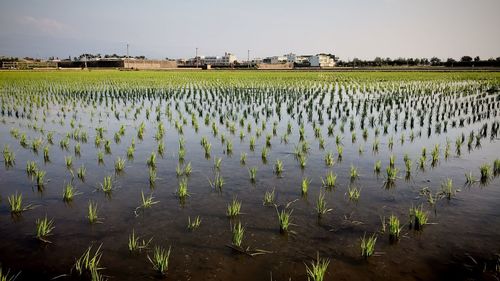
[[227, 59], [322, 60]]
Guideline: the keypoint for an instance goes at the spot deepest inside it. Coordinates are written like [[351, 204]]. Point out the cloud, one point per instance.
[[45, 25]]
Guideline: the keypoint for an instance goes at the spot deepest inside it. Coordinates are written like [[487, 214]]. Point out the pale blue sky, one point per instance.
[[174, 28]]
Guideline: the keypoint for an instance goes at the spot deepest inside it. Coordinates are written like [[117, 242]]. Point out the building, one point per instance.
[[291, 57], [227, 59], [275, 60], [322, 60]]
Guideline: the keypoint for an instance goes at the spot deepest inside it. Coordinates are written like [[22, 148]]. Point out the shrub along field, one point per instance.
[[191, 175]]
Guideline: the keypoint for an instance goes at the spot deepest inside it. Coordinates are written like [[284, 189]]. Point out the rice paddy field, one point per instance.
[[181, 175]]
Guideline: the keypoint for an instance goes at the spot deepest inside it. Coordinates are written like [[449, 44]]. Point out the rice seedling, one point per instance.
[[152, 160], [107, 184], [329, 161], [253, 173], [16, 204], [470, 178], [305, 185], [234, 208], [178, 170], [207, 147], [130, 152], [182, 189], [46, 155], [375, 145], [353, 193], [408, 165], [330, 180], [368, 245], [35, 144], [188, 169], [161, 150], [218, 182], [321, 208], [64, 143], [421, 162], [284, 219], [136, 244], [496, 167], [354, 173], [69, 161], [107, 147], [88, 264], [194, 224], [31, 168], [391, 161], [40, 176], [160, 259], [81, 172], [238, 232], [392, 175], [377, 167], [92, 213], [217, 163], [264, 154], [243, 158], [447, 189], [431, 198], [44, 229], [229, 147], [435, 154], [147, 201], [302, 161], [278, 167], [252, 143], [6, 276], [77, 149], [152, 176], [447, 149], [100, 157], [485, 170], [69, 192], [340, 151], [9, 157], [119, 165], [269, 197], [317, 269], [418, 217], [394, 228], [458, 145]]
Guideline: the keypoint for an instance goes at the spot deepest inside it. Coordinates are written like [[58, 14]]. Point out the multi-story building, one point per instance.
[[227, 59], [322, 60]]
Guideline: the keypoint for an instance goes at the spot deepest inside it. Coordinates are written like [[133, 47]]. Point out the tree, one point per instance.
[[477, 58], [466, 59], [435, 61]]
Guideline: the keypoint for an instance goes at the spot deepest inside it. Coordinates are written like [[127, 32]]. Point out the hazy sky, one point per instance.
[[174, 28]]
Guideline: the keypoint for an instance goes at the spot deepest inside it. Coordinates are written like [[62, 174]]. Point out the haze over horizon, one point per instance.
[[157, 29]]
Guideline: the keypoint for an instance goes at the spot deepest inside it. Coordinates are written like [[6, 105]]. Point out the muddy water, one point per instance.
[[468, 224]]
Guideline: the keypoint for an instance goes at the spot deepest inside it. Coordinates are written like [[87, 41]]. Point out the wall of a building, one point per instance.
[[271, 66], [150, 64]]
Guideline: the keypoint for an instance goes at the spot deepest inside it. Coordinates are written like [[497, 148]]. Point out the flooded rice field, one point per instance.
[[249, 176]]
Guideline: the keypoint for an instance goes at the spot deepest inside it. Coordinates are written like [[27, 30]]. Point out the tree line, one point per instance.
[[465, 61]]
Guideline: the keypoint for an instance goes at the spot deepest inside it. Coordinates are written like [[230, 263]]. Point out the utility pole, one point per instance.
[[248, 58], [85, 61], [127, 50], [196, 57]]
